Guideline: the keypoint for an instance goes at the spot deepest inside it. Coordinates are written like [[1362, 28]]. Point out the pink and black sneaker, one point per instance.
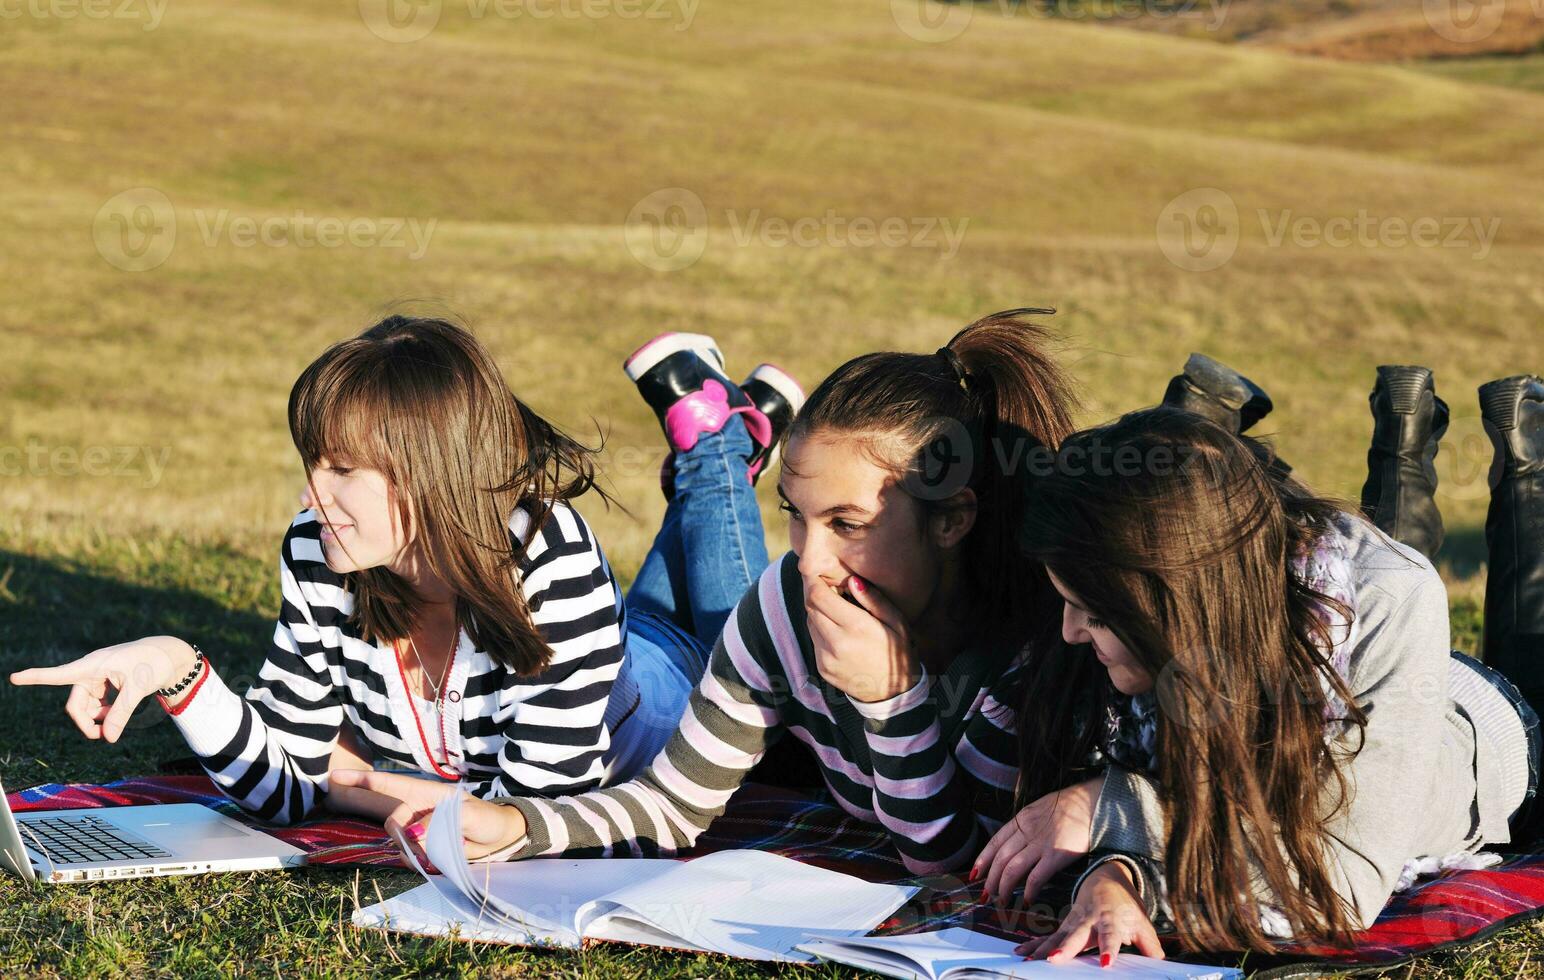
[[681, 376], [779, 397]]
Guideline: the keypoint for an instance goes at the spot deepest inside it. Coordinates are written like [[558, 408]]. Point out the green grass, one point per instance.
[[528, 142], [59, 595], [1522, 71]]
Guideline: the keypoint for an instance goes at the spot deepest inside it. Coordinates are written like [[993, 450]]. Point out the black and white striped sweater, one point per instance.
[[503, 734]]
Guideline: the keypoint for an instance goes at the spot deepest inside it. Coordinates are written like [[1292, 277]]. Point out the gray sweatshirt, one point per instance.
[[1436, 775]]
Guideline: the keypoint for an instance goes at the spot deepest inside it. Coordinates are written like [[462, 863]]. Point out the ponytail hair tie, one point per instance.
[[956, 365]]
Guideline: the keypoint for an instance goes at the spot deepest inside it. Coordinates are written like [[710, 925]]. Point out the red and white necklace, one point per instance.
[[439, 701]]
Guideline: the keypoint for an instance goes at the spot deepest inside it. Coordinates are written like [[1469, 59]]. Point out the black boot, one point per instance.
[[1408, 420], [1212, 389], [1513, 410], [1215, 391]]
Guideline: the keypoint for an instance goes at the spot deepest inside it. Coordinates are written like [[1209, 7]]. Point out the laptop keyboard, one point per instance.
[[85, 839]]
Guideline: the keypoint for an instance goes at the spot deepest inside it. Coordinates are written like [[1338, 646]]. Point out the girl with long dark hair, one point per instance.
[[1257, 685]]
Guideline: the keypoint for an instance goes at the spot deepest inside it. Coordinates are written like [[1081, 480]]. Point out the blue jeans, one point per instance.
[[1526, 822], [709, 551]]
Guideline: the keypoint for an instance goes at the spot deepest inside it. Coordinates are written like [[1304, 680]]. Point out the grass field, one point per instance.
[[171, 266], [1348, 30], [1525, 72]]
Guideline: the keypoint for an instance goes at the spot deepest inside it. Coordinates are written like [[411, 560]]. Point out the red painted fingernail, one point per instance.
[[1054, 952], [1104, 959], [975, 873], [416, 832], [858, 584], [984, 896]]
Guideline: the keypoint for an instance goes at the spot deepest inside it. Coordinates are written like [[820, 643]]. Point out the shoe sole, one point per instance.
[[779, 381], [642, 360], [1405, 383], [1499, 400]]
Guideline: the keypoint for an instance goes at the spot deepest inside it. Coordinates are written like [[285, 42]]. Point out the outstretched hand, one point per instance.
[[129, 671]]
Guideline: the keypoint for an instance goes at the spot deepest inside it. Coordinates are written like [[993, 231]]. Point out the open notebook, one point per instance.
[[960, 954], [748, 904]]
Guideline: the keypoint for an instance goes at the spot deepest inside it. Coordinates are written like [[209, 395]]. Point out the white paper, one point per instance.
[[748, 904], [754, 905], [963, 954]]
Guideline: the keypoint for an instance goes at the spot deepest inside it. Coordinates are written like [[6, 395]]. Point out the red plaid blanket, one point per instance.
[[1451, 910]]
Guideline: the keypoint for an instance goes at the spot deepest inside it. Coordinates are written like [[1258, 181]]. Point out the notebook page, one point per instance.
[[466, 907], [445, 850], [563, 889], [544, 895], [754, 905], [427, 911], [963, 954]]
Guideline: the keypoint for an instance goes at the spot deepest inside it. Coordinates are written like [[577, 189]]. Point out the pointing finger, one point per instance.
[[71, 673]]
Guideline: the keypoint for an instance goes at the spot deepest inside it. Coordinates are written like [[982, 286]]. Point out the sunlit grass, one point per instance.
[[520, 147]]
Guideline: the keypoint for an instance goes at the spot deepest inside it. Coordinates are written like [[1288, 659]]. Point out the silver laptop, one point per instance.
[[134, 842]]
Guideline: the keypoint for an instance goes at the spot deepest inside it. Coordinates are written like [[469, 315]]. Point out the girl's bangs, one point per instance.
[[339, 419]]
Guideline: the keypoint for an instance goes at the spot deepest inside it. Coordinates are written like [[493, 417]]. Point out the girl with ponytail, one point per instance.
[[887, 640]]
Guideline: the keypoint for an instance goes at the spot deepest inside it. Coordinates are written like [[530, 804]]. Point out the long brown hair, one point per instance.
[[421, 400], [971, 415], [1182, 542]]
